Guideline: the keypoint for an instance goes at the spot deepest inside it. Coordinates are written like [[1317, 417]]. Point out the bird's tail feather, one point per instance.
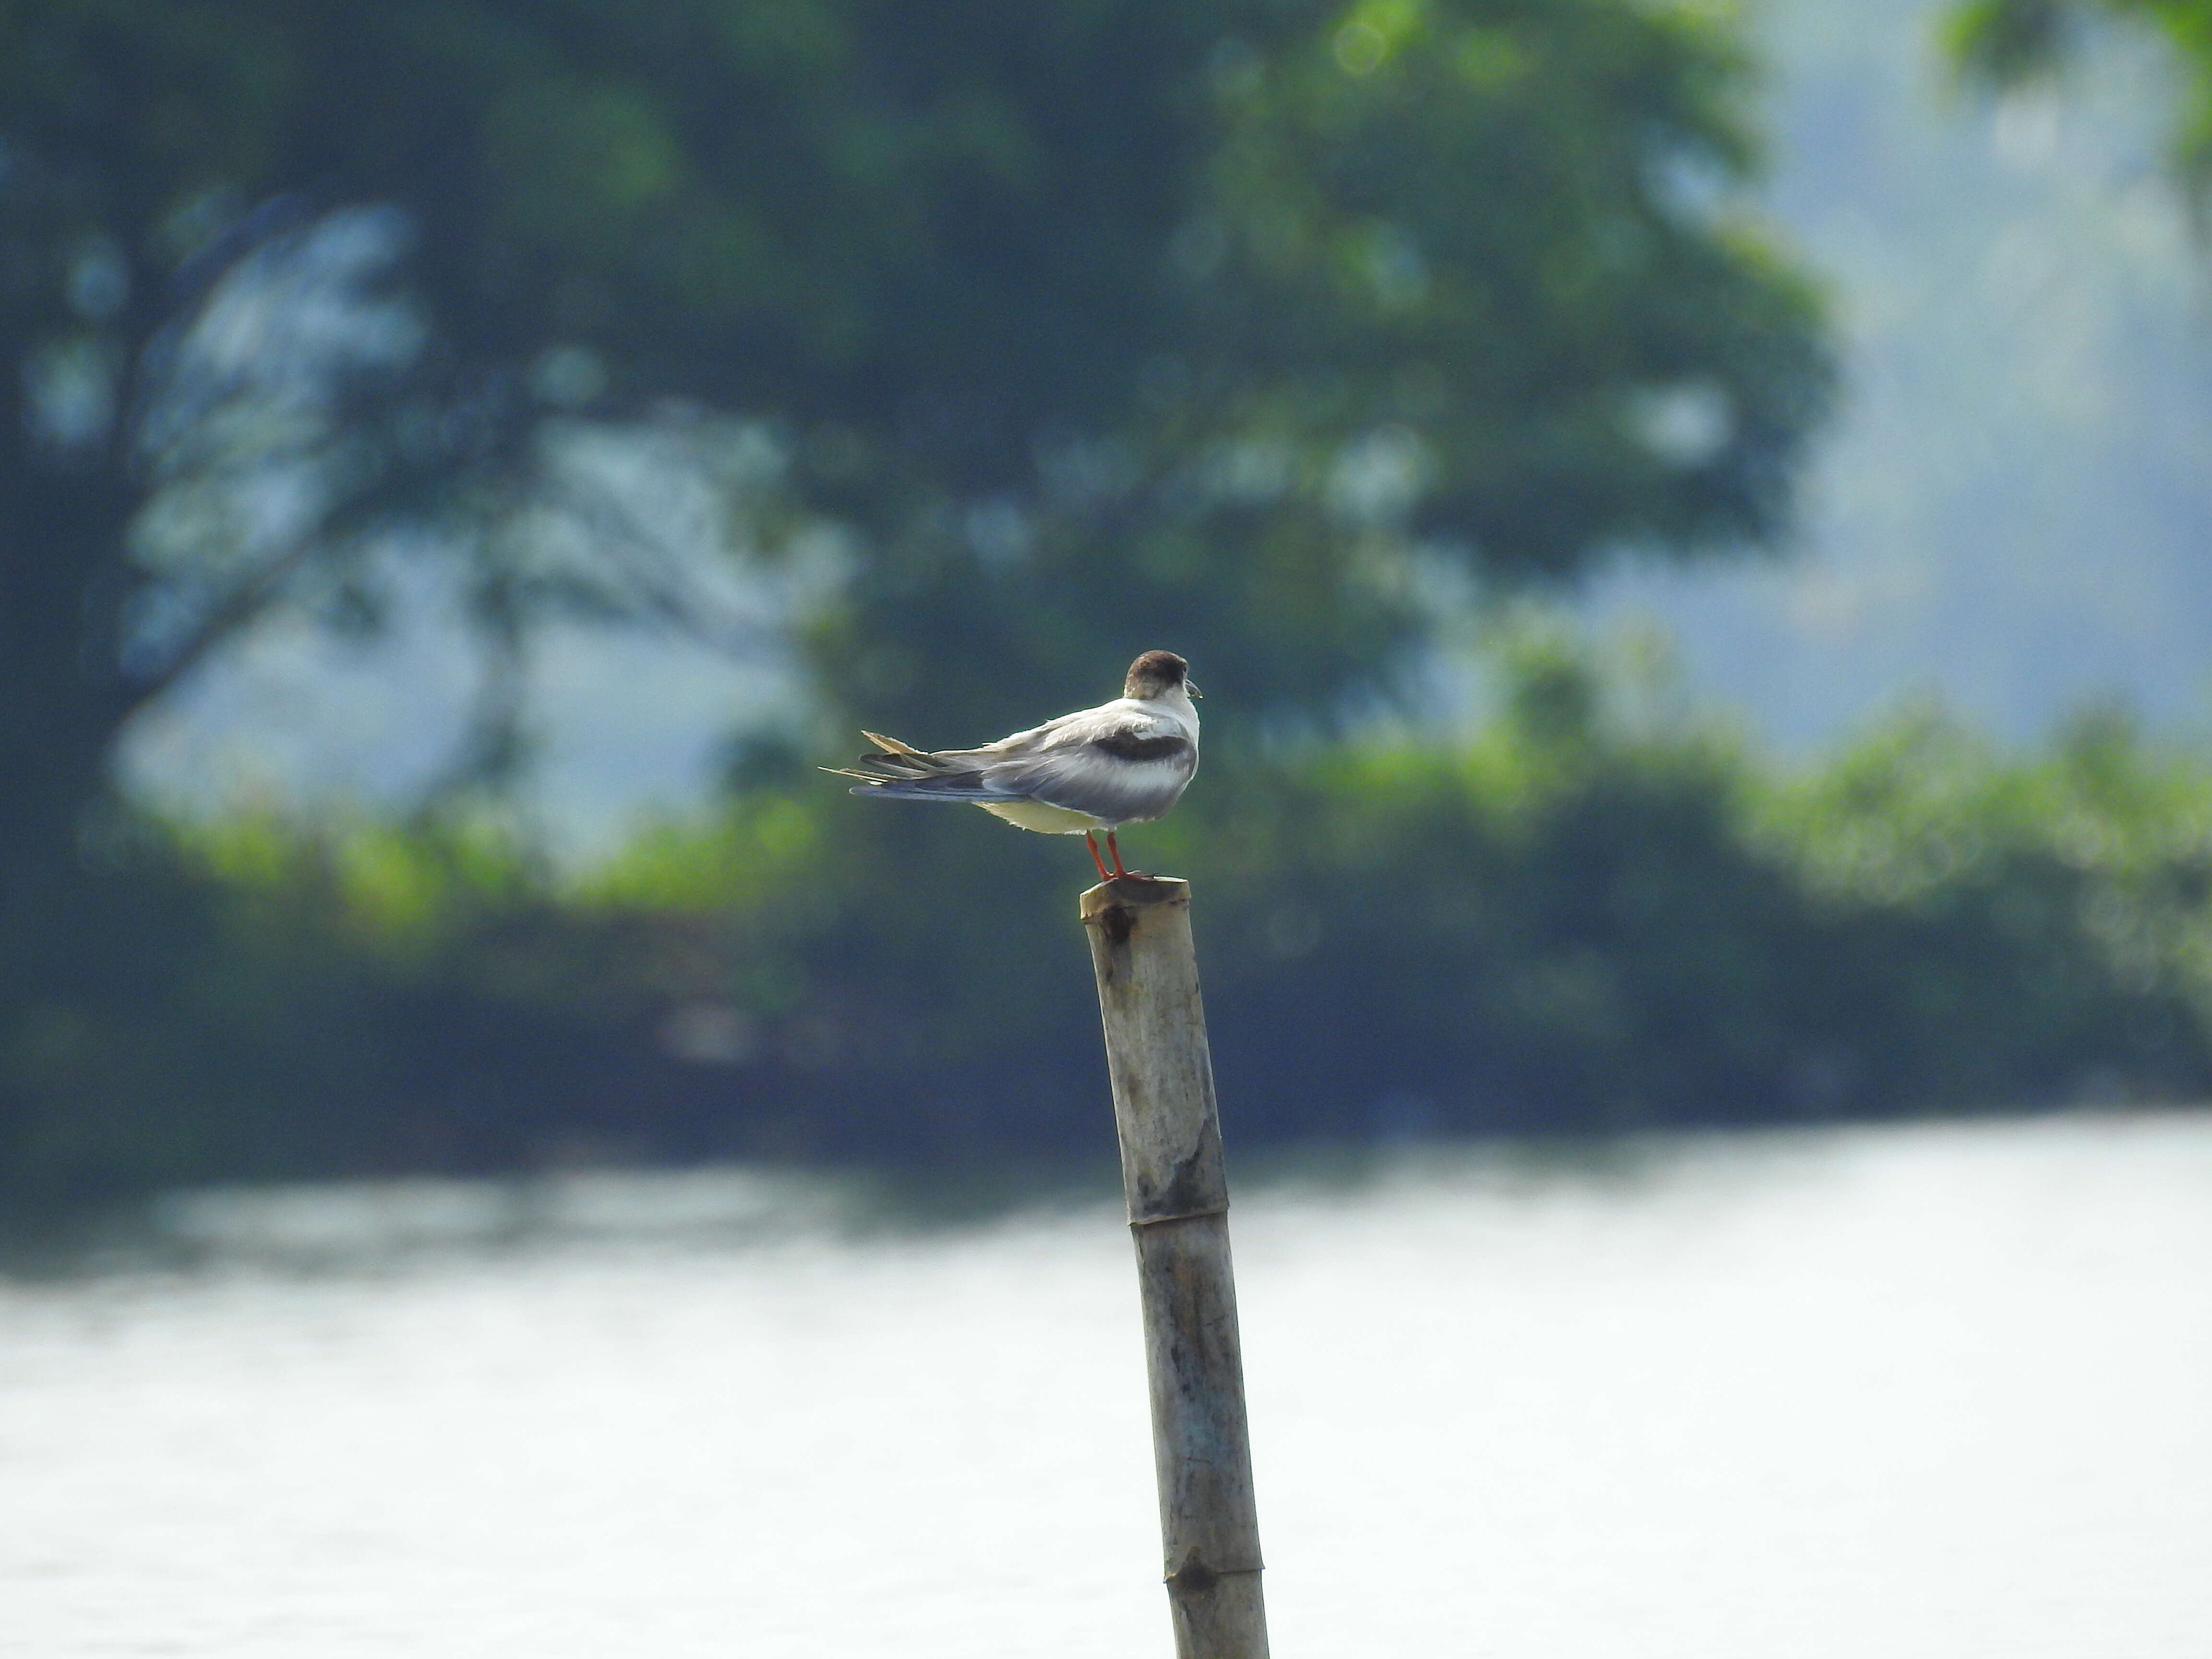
[[892, 748], [900, 769], [897, 760]]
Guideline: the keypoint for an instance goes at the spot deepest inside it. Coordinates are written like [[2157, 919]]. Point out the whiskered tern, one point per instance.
[[1124, 762]]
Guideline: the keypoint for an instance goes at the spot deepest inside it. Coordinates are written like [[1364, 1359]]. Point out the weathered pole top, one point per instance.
[[1129, 892]]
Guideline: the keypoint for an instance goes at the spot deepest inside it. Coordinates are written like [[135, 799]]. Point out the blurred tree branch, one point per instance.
[[2007, 43]]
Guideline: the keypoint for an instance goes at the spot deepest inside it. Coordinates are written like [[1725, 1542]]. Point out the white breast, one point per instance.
[[1042, 817]]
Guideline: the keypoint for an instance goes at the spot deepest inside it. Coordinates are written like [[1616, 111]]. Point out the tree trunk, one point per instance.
[[70, 945]]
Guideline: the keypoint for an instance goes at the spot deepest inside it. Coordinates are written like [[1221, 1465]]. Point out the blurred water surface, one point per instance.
[[1920, 1392]]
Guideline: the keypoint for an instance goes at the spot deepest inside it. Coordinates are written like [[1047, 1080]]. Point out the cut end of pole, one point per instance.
[[1128, 891]]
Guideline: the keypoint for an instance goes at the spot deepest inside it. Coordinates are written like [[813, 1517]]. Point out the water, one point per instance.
[[1924, 1393]]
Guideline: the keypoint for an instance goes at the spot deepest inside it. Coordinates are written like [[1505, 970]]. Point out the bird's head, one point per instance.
[[1156, 673]]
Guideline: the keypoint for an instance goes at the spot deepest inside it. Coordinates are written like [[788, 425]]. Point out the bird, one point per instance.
[[1125, 761]]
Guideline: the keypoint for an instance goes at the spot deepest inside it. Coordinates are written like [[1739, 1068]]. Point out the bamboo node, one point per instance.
[[1193, 1186], [1184, 1215], [1196, 1576]]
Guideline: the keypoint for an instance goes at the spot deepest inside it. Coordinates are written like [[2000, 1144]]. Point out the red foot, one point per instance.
[[1113, 846]]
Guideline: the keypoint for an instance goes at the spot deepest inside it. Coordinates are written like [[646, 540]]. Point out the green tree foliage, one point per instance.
[[1091, 318]]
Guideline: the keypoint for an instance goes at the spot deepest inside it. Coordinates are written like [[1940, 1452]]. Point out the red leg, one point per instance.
[[1091, 841], [1113, 848]]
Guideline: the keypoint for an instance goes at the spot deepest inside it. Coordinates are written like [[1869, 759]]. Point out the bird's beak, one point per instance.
[[1192, 689]]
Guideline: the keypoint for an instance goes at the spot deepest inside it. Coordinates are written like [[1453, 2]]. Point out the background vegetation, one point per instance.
[[1280, 332], [1563, 925]]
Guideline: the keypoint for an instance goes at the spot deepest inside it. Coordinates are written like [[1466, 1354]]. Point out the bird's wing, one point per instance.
[[1118, 766]]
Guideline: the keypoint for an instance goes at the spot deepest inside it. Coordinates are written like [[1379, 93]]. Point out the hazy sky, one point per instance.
[[2014, 510]]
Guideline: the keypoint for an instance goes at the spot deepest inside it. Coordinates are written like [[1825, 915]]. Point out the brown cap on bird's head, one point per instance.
[[1154, 672]]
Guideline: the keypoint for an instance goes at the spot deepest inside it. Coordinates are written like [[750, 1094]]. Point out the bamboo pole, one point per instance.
[[1178, 1200]]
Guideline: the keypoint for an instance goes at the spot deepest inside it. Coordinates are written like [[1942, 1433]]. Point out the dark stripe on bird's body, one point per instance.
[[1128, 746]]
